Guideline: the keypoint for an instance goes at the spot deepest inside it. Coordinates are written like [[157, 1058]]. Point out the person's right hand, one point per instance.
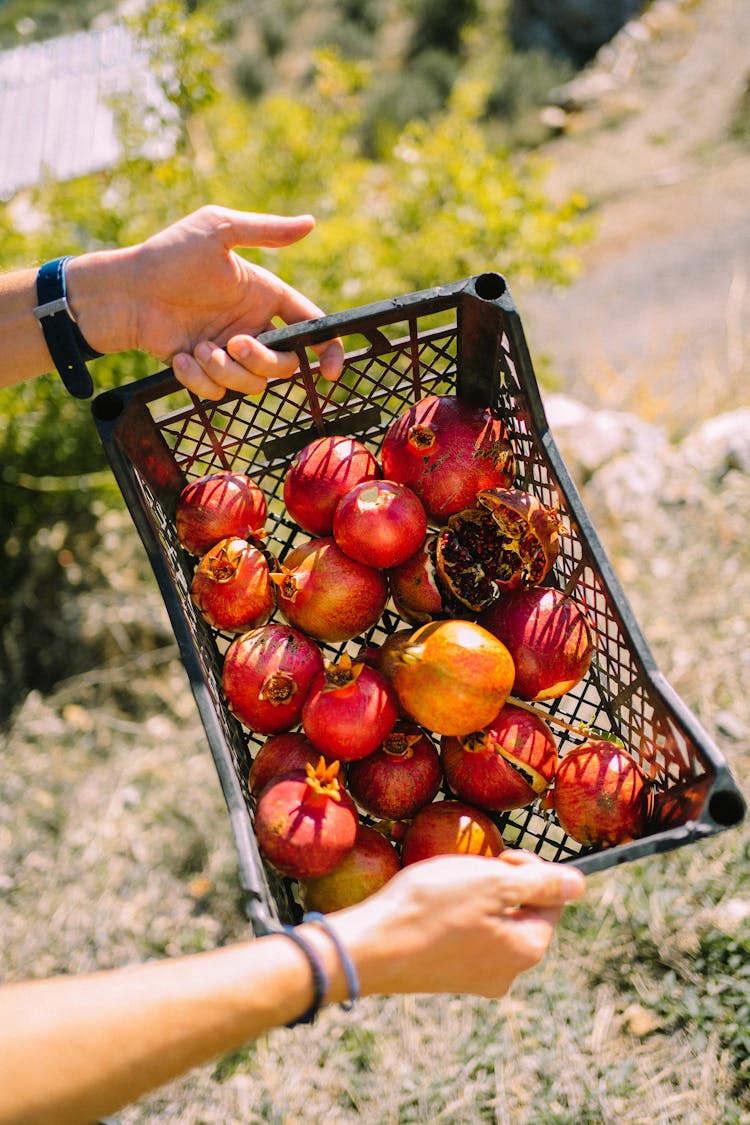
[[458, 924]]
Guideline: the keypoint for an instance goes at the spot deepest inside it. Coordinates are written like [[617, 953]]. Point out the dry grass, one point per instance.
[[115, 847]]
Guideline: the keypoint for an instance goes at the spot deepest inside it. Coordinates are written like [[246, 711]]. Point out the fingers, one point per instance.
[[331, 358], [194, 379], [245, 366], [247, 228], [294, 307], [528, 881]]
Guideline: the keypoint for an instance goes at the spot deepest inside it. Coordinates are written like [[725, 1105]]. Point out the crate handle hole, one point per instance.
[[726, 807], [490, 286], [108, 407]]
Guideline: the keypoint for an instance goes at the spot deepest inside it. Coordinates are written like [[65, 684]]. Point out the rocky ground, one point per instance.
[[653, 136]]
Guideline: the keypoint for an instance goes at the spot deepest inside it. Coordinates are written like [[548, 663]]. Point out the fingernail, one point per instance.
[[180, 362], [241, 349], [573, 883], [203, 353]]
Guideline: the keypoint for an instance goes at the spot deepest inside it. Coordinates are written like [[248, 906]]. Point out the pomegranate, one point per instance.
[[305, 822], [328, 595], [452, 677], [393, 830], [387, 653], [219, 506], [677, 805], [506, 765], [280, 754], [549, 637], [318, 477], [380, 522], [600, 796], [446, 449], [364, 870], [450, 828], [507, 539], [266, 676], [349, 710], [368, 654], [416, 589], [232, 586], [399, 777]]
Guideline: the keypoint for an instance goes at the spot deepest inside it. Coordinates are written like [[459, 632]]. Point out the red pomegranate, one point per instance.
[[306, 823], [416, 589], [363, 871], [447, 449], [452, 677], [600, 796], [219, 506], [549, 637], [379, 522], [280, 754], [675, 806], [507, 539], [387, 654], [368, 654], [349, 710], [399, 777], [327, 595], [232, 586], [505, 766], [318, 477], [450, 828], [266, 675]]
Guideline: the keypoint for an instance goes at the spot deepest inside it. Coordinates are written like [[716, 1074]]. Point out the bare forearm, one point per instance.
[[102, 1040], [98, 292], [24, 350], [72, 1049]]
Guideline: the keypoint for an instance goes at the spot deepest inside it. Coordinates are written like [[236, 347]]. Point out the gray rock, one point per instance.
[[720, 445], [589, 439]]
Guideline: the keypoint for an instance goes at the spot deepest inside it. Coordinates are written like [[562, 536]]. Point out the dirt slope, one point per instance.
[[658, 321]]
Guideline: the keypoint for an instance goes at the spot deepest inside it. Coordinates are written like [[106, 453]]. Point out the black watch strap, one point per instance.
[[64, 338]]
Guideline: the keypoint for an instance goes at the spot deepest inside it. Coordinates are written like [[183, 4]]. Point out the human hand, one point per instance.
[[463, 924], [192, 301]]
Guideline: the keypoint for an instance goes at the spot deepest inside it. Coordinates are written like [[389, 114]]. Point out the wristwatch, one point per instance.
[[64, 338]]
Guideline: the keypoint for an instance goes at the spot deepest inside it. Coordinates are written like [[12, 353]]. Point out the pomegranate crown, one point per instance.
[[400, 744], [322, 779], [341, 674]]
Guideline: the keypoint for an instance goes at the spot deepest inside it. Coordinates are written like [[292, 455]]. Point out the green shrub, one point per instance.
[[524, 80], [440, 24]]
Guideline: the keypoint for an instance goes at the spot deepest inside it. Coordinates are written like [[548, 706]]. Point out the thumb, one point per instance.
[[529, 881], [246, 228]]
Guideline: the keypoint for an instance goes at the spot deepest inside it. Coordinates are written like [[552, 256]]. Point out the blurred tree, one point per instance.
[[440, 204]]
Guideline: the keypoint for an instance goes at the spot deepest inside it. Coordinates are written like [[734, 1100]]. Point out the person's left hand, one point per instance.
[[200, 306]]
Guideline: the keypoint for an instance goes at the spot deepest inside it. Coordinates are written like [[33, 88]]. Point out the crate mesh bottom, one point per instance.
[[384, 375]]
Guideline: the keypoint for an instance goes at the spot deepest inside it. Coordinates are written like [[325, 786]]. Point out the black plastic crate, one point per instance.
[[463, 338]]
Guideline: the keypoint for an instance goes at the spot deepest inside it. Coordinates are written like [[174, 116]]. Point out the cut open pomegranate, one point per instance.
[[508, 539]]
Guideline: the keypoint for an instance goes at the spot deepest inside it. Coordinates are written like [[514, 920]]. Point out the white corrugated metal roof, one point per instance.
[[55, 116]]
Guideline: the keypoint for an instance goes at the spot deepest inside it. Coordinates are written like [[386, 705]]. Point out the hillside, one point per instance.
[[658, 320]]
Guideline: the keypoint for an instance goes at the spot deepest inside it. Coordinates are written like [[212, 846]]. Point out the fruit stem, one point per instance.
[[586, 730], [581, 728]]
